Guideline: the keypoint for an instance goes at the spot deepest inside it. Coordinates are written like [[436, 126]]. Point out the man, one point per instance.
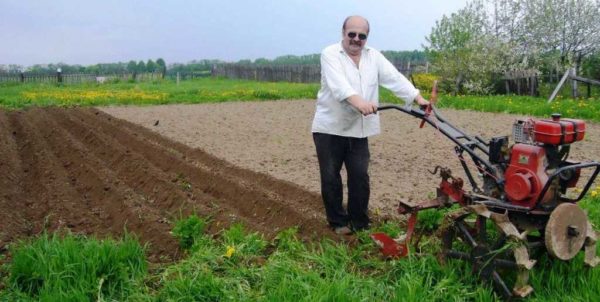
[[346, 115]]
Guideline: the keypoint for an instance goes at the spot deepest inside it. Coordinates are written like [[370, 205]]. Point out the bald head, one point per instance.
[[356, 20]]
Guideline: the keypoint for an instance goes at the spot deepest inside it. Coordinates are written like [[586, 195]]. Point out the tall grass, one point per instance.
[[74, 268]]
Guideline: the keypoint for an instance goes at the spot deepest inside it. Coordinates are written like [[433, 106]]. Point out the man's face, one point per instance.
[[355, 35]]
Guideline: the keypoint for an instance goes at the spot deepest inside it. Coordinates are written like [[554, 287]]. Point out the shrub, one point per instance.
[[424, 81]]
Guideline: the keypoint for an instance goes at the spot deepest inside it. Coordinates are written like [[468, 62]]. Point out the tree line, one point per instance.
[[160, 66]]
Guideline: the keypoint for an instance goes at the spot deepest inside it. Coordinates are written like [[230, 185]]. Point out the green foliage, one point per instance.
[[150, 66], [131, 66], [188, 230], [424, 81], [430, 220], [73, 268], [141, 67]]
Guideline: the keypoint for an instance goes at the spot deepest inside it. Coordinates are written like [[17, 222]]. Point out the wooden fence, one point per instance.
[[522, 82], [278, 73], [77, 78]]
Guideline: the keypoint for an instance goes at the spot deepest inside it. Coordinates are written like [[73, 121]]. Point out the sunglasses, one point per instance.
[[361, 36]]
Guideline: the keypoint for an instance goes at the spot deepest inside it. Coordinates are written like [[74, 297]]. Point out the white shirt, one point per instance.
[[340, 78]]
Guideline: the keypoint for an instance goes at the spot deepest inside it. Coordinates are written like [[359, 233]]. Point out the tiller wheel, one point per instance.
[[493, 255]]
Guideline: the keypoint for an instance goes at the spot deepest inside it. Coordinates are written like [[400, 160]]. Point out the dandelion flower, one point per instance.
[[230, 251], [594, 193]]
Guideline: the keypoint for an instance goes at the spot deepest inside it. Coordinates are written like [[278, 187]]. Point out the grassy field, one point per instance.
[[205, 90], [240, 266]]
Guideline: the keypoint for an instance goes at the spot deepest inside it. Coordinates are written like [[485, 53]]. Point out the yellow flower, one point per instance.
[[230, 251], [594, 193]]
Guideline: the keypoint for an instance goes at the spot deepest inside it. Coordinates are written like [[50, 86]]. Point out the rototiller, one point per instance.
[[521, 189]]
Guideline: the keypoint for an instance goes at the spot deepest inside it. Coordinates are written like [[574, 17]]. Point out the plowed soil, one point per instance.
[[274, 138], [91, 173]]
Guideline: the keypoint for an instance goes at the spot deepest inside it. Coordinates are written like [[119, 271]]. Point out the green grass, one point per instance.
[[210, 90], [203, 90], [238, 265], [587, 109], [74, 268]]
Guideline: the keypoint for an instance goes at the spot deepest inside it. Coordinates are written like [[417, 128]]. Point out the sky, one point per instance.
[[87, 32]]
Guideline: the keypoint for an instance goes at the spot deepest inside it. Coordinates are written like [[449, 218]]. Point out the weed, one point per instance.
[[188, 230]]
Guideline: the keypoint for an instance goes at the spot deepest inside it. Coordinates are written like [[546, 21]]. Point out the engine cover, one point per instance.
[[526, 175]]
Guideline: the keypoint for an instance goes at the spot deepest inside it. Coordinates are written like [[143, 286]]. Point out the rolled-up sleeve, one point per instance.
[[392, 79], [334, 77]]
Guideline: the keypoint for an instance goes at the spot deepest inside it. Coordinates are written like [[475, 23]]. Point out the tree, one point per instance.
[[141, 67], [131, 66], [162, 66], [458, 47], [567, 28], [150, 66], [262, 61]]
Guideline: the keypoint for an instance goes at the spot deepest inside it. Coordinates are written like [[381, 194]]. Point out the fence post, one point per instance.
[[178, 78], [22, 77], [59, 75], [574, 83], [589, 90]]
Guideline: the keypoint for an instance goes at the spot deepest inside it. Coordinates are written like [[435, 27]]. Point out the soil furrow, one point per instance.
[[256, 196], [14, 222], [115, 206], [169, 191]]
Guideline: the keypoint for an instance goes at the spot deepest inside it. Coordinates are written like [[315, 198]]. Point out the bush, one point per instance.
[[424, 81]]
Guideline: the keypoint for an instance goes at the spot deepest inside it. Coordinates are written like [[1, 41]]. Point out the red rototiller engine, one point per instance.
[[521, 189]]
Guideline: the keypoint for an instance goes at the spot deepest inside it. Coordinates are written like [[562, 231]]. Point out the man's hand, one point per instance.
[[421, 101], [362, 106]]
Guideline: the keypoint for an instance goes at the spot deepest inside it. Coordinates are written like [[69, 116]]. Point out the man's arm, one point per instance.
[[341, 89]]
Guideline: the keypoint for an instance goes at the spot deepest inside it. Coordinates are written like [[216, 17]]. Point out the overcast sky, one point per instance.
[[92, 31]]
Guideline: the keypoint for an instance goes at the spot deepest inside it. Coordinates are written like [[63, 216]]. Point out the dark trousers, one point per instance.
[[332, 152]]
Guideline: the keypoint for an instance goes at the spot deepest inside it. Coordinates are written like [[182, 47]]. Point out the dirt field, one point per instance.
[[84, 170], [93, 172], [275, 138]]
